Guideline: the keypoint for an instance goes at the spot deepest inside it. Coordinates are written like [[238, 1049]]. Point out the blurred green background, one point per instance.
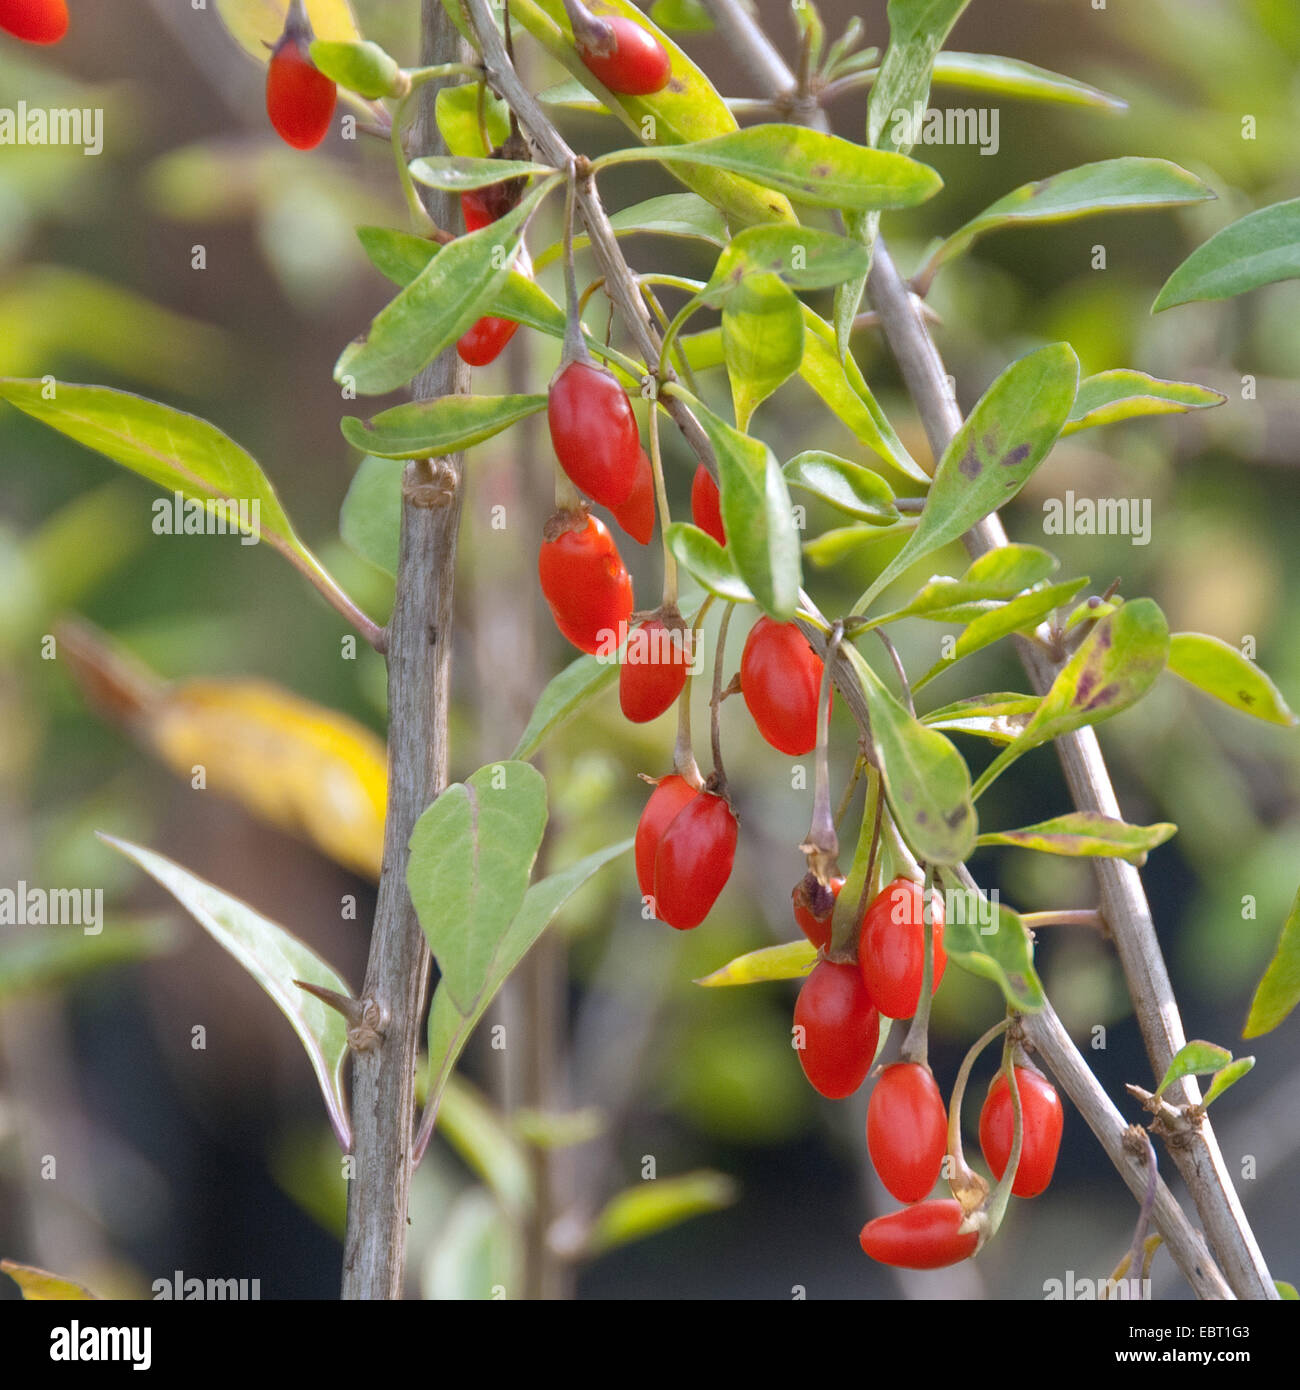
[[218, 1162]]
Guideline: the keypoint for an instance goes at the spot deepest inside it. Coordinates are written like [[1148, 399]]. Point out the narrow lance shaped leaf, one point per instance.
[[1260, 249], [802, 257], [565, 695], [434, 428], [988, 72], [1086, 834], [790, 961], [472, 854], [363, 68], [40, 1286], [990, 941], [762, 341], [1123, 394], [1227, 1076], [1220, 670], [999, 574], [1006, 436], [683, 215], [275, 959], [1195, 1058], [458, 174], [1116, 665], [1000, 717], [706, 561], [847, 486], [643, 1210], [1278, 991]]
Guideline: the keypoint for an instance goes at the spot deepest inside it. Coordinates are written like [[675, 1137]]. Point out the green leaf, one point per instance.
[[362, 67], [705, 560], [832, 546], [1115, 665], [1123, 394], [999, 949], [682, 16], [682, 215], [1259, 249], [449, 1027], [1087, 834], [758, 517], [565, 695], [802, 257], [457, 174], [1195, 1058], [276, 960], [762, 340], [655, 1206], [917, 29], [1111, 185], [848, 487], [998, 574], [986, 72], [792, 960], [397, 256], [926, 779], [434, 428], [1219, 669], [41, 960], [437, 307], [1278, 992], [472, 854], [456, 112], [1000, 717], [40, 1286], [1007, 435], [176, 451], [1228, 1076], [370, 520], [1287, 1292], [807, 165], [480, 1135]]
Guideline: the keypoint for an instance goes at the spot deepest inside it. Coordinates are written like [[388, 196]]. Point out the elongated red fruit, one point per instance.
[[925, 1236], [637, 515], [891, 947], [706, 505], [584, 581], [839, 1029], [694, 860], [594, 432], [907, 1130], [670, 795], [1043, 1121], [655, 664], [481, 344], [631, 61], [34, 21], [475, 211], [299, 97], [780, 678], [816, 928]]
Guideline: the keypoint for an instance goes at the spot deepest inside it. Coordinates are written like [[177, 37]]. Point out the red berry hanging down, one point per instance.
[[299, 98], [482, 343], [671, 794], [706, 505], [34, 21], [891, 948], [780, 678], [841, 1029], [1043, 1120], [816, 928], [925, 1236], [694, 860], [475, 211], [907, 1130], [628, 59], [594, 432], [584, 581], [654, 669], [637, 515]]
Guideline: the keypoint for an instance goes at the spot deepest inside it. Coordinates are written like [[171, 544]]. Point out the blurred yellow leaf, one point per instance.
[[638, 1212], [792, 960], [256, 24], [40, 1286]]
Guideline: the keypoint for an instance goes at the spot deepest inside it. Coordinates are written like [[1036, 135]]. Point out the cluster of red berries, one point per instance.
[[34, 21]]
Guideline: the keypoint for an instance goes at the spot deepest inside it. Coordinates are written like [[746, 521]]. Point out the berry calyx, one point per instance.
[[891, 947], [637, 515], [706, 505], [1043, 1120], [482, 343], [839, 1029], [807, 898], [594, 432], [694, 860], [655, 665], [780, 678], [34, 21], [925, 1236], [907, 1130], [625, 57], [584, 581], [299, 97], [670, 795]]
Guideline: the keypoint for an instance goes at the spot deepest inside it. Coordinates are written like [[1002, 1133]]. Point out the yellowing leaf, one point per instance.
[[792, 960], [255, 24], [39, 1285]]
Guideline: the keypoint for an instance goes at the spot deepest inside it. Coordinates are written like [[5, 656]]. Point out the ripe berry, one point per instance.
[[35, 21], [921, 1237], [1043, 1121], [483, 341], [907, 1130], [637, 515], [891, 948], [780, 678], [706, 505], [694, 860], [594, 432], [816, 929], [655, 663], [584, 581], [841, 1029], [475, 211], [670, 795], [633, 62], [299, 98]]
